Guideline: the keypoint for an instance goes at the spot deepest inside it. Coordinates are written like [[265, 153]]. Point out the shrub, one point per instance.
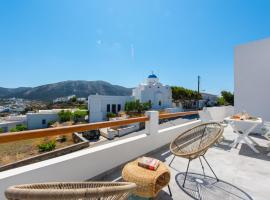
[[62, 138], [83, 107], [79, 114], [47, 146], [1, 130], [73, 99], [110, 115], [50, 123], [65, 116], [137, 106], [18, 128]]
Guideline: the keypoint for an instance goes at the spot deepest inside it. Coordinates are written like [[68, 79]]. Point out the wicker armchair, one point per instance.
[[73, 190], [194, 143]]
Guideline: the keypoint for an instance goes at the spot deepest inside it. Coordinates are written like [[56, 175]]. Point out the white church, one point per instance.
[[159, 95]]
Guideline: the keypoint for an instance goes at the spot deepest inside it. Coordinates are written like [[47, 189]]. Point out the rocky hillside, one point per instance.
[[51, 91]]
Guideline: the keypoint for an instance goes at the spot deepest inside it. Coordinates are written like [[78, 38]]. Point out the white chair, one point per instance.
[[266, 133], [214, 114], [205, 116]]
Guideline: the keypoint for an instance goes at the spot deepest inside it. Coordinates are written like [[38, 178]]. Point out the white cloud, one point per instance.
[[99, 42]]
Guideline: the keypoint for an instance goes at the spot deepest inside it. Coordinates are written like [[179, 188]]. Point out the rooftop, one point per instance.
[[152, 76], [243, 174], [238, 170]]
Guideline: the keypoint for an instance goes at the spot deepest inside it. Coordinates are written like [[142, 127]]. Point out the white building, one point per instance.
[[100, 105], [12, 121], [208, 100], [159, 95], [40, 119], [64, 99], [252, 78]]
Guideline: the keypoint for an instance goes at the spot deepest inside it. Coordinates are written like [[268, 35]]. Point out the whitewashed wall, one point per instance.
[[34, 120], [252, 78], [97, 105], [88, 163]]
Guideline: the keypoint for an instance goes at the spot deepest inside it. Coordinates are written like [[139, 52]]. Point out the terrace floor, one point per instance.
[[243, 174]]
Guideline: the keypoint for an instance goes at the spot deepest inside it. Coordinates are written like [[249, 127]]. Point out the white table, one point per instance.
[[243, 128]]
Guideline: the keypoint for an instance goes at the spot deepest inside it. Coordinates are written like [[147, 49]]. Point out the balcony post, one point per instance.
[[151, 126]]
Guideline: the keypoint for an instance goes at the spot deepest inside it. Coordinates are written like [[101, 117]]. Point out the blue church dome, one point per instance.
[[152, 76]]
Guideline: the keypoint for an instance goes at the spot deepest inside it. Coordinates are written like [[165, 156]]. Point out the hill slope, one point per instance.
[[51, 91]]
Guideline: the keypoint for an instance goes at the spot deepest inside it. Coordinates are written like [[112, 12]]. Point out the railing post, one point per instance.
[[152, 125]]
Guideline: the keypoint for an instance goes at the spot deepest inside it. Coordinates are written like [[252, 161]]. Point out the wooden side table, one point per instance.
[[148, 182]]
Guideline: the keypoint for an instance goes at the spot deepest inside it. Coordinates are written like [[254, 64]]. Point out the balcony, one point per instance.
[[243, 174]]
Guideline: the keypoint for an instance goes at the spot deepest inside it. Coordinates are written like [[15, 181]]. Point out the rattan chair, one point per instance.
[[194, 143], [72, 190]]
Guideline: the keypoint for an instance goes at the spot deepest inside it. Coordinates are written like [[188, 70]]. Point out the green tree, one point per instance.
[[79, 115], [1, 130], [228, 97], [65, 116], [221, 101], [137, 106], [182, 94], [73, 99]]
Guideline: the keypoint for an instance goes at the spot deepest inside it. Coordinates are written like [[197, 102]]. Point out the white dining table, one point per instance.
[[243, 128]]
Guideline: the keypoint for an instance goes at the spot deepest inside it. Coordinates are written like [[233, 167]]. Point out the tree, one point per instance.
[[73, 99], [1, 130], [65, 116], [181, 94], [228, 97], [221, 101], [137, 106], [79, 114]]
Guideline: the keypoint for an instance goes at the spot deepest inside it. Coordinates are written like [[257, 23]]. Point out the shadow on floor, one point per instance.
[[207, 188], [245, 150], [224, 145], [162, 195]]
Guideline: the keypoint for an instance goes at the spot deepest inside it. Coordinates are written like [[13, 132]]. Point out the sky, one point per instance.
[[123, 41]]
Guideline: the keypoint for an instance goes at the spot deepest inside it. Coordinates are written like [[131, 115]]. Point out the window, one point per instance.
[[44, 122], [149, 101], [108, 108], [113, 108], [159, 103], [118, 107]]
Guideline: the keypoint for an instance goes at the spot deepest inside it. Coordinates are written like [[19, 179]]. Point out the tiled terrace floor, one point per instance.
[[244, 175]]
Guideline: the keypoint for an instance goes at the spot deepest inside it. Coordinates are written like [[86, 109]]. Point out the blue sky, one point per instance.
[[123, 41]]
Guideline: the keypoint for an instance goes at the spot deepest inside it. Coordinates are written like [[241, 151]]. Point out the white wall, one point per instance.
[[88, 163], [7, 125], [34, 120], [97, 105], [252, 78]]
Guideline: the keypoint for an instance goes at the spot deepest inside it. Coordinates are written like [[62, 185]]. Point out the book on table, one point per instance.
[[148, 163]]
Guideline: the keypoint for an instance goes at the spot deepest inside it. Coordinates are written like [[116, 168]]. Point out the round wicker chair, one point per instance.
[[72, 190], [194, 143]]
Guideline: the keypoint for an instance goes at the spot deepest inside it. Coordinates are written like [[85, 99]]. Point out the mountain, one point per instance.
[[49, 92]]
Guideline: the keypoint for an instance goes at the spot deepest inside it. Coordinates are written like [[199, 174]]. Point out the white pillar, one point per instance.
[[151, 126]]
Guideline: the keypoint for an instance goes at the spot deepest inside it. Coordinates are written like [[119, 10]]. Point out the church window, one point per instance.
[[159, 103]]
